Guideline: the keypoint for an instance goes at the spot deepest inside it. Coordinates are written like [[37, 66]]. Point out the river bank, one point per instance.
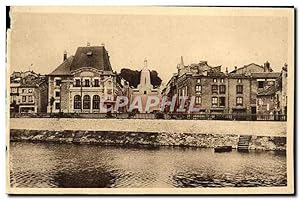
[[146, 138], [265, 135]]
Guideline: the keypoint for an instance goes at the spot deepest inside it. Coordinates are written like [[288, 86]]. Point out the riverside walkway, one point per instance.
[[259, 128]]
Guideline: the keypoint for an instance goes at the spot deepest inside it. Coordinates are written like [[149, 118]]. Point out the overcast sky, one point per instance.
[[41, 38]]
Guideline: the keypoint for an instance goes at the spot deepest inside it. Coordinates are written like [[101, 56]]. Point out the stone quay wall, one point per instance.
[[266, 135], [146, 138]]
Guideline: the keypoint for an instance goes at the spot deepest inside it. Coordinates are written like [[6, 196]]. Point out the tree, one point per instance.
[[133, 77], [155, 79]]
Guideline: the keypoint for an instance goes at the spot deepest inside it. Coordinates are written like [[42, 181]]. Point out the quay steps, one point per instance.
[[243, 144]]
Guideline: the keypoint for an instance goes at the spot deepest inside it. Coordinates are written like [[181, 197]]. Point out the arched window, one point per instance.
[[77, 102], [86, 102], [96, 102]]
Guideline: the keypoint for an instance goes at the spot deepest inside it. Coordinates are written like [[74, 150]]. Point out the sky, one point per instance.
[[39, 38]]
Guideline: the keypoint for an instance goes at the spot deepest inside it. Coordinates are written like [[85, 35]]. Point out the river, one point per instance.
[[43, 165]]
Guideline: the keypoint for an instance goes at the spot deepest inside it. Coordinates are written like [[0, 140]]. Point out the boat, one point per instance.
[[221, 149]]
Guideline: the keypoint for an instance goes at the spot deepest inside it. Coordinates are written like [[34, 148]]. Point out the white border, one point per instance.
[[112, 2]]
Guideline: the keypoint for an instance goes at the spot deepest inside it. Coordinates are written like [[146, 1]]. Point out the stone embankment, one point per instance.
[[146, 138], [265, 135]]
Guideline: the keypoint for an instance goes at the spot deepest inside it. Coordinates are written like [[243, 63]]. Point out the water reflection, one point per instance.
[[68, 165]]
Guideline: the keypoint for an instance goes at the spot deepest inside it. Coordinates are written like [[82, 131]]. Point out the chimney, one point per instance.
[[226, 71], [266, 66], [88, 44], [235, 67], [181, 61], [65, 55]]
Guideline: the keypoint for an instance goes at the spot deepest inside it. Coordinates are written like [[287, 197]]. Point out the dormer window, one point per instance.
[[87, 83], [89, 53], [96, 83], [77, 83]]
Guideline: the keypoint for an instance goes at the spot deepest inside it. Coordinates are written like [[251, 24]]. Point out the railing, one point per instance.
[[175, 116]]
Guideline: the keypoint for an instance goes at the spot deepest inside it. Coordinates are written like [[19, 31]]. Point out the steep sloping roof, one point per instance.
[[268, 91], [64, 68], [91, 56]]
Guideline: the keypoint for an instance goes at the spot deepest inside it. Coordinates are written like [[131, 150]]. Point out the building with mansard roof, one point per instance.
[[81, 82]]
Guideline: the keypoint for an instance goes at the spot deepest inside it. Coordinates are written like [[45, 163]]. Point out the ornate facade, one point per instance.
[[84, 83]]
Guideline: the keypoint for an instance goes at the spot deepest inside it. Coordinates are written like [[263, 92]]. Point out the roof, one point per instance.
[[266, 92], [30, 81], [64, 68], [245, 66], [265, 74], [91, 56]]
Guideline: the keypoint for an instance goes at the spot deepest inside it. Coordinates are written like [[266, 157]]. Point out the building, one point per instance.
[[84, 83], [29, 92], [257, 84], [218, 92], [281, 97], [272, 95], [202, 81], [145, 89]]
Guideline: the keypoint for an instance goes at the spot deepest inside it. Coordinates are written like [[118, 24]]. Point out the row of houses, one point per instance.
[[250, 89], [82, 81]]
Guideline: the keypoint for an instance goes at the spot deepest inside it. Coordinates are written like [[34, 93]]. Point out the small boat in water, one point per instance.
[[221, 149]]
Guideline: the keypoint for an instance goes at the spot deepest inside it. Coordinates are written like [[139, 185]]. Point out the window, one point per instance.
[[29, 90], [23, 90], [198, 80], [77, 102], [198, 89], [57, 105], [239, 80], [198, 100], [96, 102], [87, 83], [239, 89], [96, 83], [214, 89], [214, 101], [214, 80], [222, 101], [260, 84], [222, 89], [239, 101], [77, 83], [30, 99], [23, 98], [57, 93], [222, 80], [86, 102], [57, 82]]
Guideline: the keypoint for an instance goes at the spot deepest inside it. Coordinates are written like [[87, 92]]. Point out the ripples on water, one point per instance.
[[88, 166]]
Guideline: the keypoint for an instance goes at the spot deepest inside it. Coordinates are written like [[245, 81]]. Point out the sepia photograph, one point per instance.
[[150, 100]]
